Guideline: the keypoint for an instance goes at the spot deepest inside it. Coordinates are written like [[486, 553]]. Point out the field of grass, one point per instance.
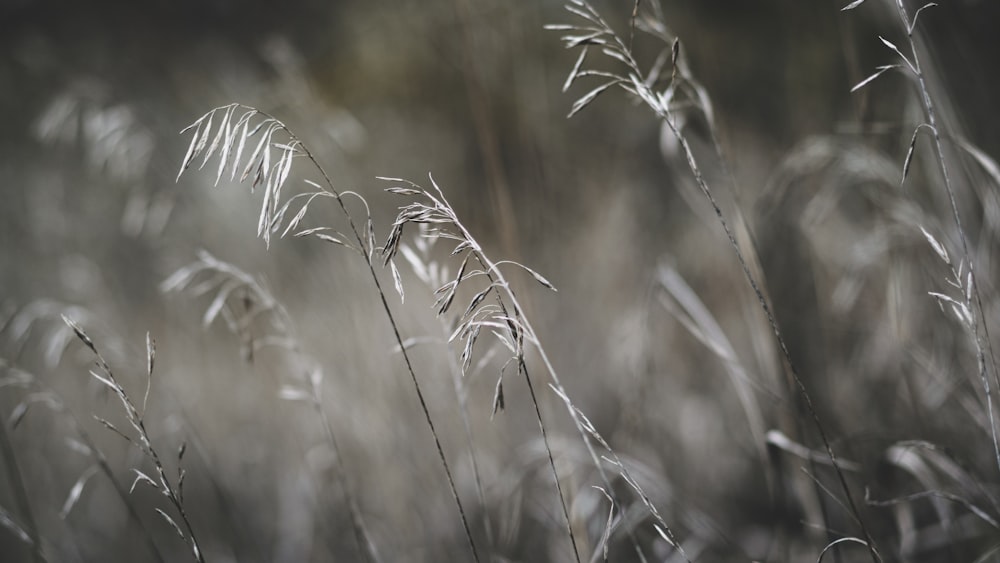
[[381, 300]]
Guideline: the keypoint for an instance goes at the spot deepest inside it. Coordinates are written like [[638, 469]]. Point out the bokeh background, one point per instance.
[[93, 95]]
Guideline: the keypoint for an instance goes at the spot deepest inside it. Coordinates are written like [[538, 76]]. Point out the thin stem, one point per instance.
[[123, 495], [102, 465], [497, 278], [172, 494], [762, 300], [426, 411], [273, 178], [365, 546], [635, 84], [462, 395], [263, 303], [120, 490], [399, 342], [925, 98], [552, 462]]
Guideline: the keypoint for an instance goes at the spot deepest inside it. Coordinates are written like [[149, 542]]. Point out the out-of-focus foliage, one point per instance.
[[93, 94]]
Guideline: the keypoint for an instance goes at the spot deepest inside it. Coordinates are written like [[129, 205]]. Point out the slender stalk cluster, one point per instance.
[[970, 309], [171, 488]]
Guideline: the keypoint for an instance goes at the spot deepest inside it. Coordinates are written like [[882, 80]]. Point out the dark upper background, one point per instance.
[[467, 90]]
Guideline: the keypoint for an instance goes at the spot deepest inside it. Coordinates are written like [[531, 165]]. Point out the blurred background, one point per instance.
[[92, 221]]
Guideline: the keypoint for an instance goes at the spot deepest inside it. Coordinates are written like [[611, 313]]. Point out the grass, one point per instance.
[[409, 404]]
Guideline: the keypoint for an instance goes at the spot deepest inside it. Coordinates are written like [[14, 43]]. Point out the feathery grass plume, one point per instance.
[[172, 489], [229, 139], [973, 314], [680, 94], [503, 318], [495, 308], [248, 308], [38, 393]]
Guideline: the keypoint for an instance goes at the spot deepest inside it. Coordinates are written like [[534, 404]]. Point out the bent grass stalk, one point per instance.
[[230, 141], [597, 32], [506, 321]]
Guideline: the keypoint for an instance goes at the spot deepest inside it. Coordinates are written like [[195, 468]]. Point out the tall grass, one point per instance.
[[857, 423]]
